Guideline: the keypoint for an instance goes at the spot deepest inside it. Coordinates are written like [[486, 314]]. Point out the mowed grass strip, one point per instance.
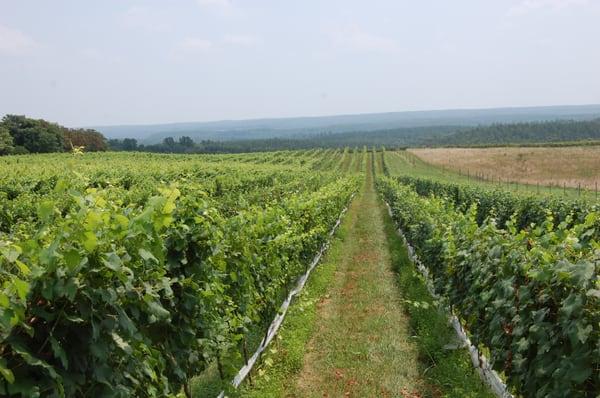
[[362, 345], [448, 372], [356, 331], [276, 374]]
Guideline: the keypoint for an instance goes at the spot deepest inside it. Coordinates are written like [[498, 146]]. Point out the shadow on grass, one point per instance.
[[449, 373]]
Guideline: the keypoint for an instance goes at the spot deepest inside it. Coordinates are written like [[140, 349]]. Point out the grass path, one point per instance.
[[350, 335], [361, 345]]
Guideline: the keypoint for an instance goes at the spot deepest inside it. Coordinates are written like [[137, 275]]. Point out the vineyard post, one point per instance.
[[564, 189], [578, 189], [596, 189], [220, 367], [245, 350]]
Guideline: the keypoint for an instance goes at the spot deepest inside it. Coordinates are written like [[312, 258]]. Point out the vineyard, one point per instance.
[[132, 274], [125, 275], [520, 272]]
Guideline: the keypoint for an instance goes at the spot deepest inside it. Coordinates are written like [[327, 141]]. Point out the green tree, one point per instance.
[[37, 136], [90, 139], [169, 142], [129, 144], [6, 141], [186, 141]]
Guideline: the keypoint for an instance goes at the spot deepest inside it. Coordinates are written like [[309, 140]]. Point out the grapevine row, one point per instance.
[[105, 296], [530, 296]]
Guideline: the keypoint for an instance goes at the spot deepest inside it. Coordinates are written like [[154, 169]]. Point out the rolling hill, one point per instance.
[[303, 127]]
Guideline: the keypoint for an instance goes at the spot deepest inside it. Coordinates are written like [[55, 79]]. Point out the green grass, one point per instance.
[[362, 345], [285, 357], [355, 330], [449, 372]]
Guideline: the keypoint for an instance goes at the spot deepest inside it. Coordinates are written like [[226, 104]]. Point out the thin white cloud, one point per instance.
[[144, 18], [215, 3], [354, 38], [528, 6], [223, 7], [15, 42], [241, 40], [195, 44]]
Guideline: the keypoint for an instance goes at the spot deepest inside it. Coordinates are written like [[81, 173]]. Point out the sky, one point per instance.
[[85, 63]]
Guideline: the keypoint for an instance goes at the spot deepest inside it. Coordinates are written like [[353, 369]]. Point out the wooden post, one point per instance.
[[579, 189]]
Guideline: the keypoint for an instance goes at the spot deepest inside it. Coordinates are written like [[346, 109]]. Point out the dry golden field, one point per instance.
[[531, 165]]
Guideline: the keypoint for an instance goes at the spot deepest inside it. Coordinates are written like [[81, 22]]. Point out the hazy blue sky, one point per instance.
[[120, 61]]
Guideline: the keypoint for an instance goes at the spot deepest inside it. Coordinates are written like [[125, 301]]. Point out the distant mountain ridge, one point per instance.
[[298, 127]]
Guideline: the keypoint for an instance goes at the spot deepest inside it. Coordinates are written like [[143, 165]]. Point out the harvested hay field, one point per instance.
[[570, 166]]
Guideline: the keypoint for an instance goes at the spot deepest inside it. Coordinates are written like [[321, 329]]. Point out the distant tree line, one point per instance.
[[558, 132], [187, 145], [392, 138], [522, 133], [21, 135]]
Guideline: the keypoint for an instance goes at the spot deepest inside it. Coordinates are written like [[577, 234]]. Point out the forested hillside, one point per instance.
[[305, 127], [19, 134], [522, 133], [429, 136], [400, 137]]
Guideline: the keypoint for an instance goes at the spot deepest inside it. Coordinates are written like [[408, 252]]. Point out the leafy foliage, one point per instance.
[[110, 288], [6, 141], [40, 136], [503, 205], [531, 296], [91, 140]]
